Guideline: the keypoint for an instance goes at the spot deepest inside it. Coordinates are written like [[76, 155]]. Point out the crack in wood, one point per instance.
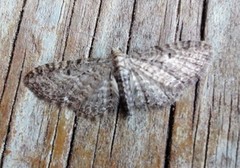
[[169, 136], [114, 132], [54, 138], [237, 149], [195, 138], [11, 114], [207, 139], [229, 128], [68, 29], [13, 48], [75, 124], [96, 144], [178, 22], [131, 25], [165, 15], [204, 18], [61, 10], [195, 100], [95, 28]]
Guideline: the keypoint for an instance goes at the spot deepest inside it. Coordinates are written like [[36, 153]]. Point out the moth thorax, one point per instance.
[[118, 57]]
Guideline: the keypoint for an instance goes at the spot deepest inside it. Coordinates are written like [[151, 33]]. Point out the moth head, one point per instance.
[[117, 52]]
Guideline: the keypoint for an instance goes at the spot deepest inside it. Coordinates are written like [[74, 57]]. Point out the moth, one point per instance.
[[156, 78]]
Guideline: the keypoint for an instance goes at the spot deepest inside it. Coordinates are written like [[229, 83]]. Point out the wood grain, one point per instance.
[[200, 130]]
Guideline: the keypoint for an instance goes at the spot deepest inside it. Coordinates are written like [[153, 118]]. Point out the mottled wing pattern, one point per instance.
[[154, 78], [158, 76], [84, 86], [104, 99]]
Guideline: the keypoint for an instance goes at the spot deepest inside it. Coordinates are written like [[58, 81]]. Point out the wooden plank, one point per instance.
[[93, 140], [187, 115], [10, 18], [202, 130], [140, 133], [33, 125], [78, 36], [224, 132], [214, 138]]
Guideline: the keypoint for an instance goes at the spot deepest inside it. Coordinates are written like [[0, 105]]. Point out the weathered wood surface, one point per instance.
[[201, 131]]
